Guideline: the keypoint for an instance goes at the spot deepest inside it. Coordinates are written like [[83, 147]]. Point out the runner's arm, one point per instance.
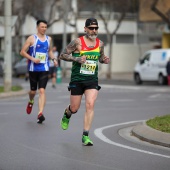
[[67, 52], [103, 58], [29, 42]]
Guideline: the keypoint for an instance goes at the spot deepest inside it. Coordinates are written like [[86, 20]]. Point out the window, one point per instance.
[[145, 58], [125, 39]]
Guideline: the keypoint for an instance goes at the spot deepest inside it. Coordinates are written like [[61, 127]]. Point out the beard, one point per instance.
[[92, 36]]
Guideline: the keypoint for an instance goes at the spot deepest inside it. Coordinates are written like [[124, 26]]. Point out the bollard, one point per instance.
[[59, 75]]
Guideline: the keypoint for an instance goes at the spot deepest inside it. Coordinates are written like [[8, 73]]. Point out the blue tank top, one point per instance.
[[39, 50]]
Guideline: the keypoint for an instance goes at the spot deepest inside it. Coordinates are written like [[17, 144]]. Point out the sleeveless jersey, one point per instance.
[[87, 71], [39, 50]]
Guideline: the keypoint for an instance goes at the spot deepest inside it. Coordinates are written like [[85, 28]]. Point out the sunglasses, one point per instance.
[[92, 28]]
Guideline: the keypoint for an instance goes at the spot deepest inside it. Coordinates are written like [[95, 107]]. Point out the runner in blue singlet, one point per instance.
[[37, 49]]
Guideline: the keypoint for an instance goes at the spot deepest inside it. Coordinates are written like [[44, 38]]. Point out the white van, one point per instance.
[[152, 66]]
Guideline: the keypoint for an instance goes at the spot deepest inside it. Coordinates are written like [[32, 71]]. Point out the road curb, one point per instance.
[[13, 94], [151, 135]]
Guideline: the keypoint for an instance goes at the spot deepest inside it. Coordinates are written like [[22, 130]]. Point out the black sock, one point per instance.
[[86, 133], [67, 115]]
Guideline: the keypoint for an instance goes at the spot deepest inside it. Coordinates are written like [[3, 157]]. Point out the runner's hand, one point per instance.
[[36, 60], [106, 60], [55, 63], [81, 59]]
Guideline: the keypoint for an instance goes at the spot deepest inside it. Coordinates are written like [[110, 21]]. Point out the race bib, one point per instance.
[[88, 67], [41, 56]]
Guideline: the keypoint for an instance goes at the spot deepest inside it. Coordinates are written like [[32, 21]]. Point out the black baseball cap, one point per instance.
[[91, 21]]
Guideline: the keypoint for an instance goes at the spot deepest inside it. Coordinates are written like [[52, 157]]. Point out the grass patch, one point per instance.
[[161, 123], [13, 88]]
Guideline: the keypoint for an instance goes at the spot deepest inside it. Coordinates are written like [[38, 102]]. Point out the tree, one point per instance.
[[38, 9], [165, 18], [110, 34]]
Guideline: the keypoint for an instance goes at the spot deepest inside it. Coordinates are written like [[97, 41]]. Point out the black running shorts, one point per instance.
[[77, 88], [38, 79]]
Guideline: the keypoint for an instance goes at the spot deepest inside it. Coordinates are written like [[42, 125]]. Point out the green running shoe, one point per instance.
[[86, 141], [64, 122]]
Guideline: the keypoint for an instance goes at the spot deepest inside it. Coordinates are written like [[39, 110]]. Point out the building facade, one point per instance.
[[129, 43]]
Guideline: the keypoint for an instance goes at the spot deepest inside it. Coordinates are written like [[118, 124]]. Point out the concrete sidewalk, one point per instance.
[[12, 94]]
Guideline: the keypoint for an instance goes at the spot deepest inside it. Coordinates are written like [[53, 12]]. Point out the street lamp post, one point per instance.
[[8, 49], [64, 43]]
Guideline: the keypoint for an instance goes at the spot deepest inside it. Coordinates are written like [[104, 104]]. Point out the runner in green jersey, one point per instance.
[[84, 52]]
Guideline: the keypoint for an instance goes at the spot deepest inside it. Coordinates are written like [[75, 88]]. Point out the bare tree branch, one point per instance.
[[158, 12], [53, 21], [119, 22]]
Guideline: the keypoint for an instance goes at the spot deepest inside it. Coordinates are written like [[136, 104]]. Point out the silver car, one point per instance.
[[20, 67]]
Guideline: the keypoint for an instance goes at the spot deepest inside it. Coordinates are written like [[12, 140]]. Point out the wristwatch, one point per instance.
[[53, 59]]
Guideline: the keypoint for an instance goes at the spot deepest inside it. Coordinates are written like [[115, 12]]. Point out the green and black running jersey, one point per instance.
[[87, 71]]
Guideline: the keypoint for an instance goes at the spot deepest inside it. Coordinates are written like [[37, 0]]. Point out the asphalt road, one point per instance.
[[26, 145]]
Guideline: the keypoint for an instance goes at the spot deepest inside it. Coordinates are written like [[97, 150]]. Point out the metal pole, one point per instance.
[[65, 6], [8, 49]]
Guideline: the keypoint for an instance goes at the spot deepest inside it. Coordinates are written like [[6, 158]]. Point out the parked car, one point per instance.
[[152, 67], [1, 67], [20, 68]]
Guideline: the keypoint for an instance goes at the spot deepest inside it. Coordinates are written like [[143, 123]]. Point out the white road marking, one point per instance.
[[99, 134], [137, 88], [11, 103], [18, 103], [3, 113], [121, 87], [154, 96], [53, 102], [121, 100]]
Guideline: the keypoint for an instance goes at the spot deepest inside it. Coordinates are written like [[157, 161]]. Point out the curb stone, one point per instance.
[[13, 94], [151, 135]]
